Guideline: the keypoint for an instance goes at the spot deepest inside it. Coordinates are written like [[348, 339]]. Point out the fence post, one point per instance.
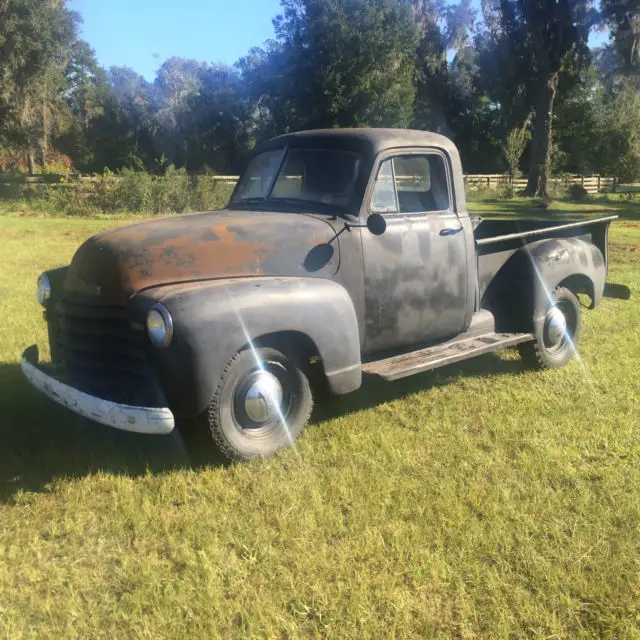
[[598, 183]]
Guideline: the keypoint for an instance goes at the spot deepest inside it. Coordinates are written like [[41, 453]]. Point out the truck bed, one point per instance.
[[491, 231], [498, 239]]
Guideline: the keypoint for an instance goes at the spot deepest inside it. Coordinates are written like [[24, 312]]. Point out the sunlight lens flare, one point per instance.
[[260, 364], [552, 303]]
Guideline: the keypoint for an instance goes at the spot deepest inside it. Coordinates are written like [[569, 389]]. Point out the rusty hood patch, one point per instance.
[[213, 244]]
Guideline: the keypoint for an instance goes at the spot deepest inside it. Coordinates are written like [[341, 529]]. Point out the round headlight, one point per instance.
[[159, 326], [44, 289]]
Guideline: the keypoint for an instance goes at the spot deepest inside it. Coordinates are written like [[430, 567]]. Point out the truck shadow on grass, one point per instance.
[[41, 442], [375, 391]]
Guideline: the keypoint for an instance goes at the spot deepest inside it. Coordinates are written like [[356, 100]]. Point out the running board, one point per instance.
[[407, 364]]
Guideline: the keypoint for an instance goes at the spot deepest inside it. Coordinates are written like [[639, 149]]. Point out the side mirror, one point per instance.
[[376, 224]]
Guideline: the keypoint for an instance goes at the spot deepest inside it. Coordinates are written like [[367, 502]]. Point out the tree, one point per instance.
[[216, 123], [268, 77], [86, 83], [514, 147], [558, 34], [617, 120], [524, 69], [623, 20], [539, 42], [337, 63], [442, 29], [177, 82], [134, 110], [36, 37], [576, 131], [86, 95]]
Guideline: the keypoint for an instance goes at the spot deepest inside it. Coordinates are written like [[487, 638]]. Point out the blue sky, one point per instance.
[[143, 33]]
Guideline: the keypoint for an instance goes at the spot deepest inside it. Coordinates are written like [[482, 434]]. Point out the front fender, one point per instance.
[[215, 319]]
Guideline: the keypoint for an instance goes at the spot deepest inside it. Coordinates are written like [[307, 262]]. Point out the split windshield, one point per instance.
[[304, 176]]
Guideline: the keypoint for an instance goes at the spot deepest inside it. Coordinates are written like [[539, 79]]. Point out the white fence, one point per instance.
[[592, 184]]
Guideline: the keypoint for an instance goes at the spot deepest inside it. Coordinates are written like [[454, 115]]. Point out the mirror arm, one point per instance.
[[375, 223], [353, 222]]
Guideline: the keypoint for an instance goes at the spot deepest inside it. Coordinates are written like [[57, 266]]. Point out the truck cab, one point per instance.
[[341, 253]]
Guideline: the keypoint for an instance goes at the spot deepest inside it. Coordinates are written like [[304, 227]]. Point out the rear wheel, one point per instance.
[[556, 329], [261, 403]]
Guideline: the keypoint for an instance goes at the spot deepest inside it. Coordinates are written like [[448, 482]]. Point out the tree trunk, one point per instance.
[[85, 112], [540, 163], [44, 144], [31, 161]]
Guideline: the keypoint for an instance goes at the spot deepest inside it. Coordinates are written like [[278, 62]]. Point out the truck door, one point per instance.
[[415, 272]]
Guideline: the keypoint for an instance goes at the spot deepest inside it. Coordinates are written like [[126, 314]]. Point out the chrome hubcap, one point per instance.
[[263, 397], [556, 325]]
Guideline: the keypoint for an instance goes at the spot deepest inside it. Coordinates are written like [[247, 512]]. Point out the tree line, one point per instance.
[[515, 85]]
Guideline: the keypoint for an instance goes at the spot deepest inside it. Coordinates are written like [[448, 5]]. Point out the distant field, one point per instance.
[[479, 501]]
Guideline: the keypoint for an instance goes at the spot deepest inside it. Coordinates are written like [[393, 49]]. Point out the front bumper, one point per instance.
[[150, 420]]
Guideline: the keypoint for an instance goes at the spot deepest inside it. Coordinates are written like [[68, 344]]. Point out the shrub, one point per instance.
[[103, 191], [578, 193], [130, 191], [559, 187], [171, 191], [207, 193], [69, 199], [58, 163], [505, 189]]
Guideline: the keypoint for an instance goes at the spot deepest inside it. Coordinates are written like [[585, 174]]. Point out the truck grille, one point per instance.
[[99, 339]]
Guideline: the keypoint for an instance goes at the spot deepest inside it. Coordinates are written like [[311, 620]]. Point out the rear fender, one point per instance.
[[568, 262], [214, 320], [527, 280]]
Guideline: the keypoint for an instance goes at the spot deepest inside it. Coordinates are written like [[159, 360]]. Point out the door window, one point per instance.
[[384, 199], [411, 184]]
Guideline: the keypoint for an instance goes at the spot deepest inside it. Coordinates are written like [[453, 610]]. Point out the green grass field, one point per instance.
[[479, 501]]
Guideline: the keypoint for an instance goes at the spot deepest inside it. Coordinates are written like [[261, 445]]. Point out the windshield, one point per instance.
[[307, 175]]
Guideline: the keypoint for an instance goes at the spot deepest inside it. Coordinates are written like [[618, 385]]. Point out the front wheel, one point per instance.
[[261, 403], [556, 329]]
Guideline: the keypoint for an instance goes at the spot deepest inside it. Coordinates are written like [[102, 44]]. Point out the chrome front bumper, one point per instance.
[[150, 420]]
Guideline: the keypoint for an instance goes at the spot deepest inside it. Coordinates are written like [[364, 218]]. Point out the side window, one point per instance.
[[411, 184], [421, 182], [384, 198]]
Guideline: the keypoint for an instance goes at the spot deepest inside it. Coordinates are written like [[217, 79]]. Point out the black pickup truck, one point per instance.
[[341, 251]]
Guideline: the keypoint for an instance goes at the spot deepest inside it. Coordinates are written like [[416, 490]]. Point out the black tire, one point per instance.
[[553, 348], [230, 426]]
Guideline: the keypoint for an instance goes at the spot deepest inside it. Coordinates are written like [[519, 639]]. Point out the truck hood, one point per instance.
[[119, 263]]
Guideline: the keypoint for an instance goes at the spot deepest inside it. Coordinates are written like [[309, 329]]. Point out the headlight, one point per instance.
[[159, 326], [44, 289]]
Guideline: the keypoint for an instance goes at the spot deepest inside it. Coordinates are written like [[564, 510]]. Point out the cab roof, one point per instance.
[[366, 139]]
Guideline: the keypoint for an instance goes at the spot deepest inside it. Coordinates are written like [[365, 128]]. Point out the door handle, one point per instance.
[[449, 231]]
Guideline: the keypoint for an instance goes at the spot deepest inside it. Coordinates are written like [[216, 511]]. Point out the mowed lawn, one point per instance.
[[480, 501]]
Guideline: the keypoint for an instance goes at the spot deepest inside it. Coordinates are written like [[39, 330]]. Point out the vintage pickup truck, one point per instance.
[[347, 252]]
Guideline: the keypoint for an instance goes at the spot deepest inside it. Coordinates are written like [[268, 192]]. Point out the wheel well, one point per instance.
[[580, 283], [305, 348]]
